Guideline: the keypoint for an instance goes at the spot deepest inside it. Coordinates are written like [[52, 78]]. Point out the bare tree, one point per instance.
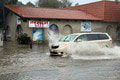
[[77, 4], [53, 3], [29, 4], [48, 3], [65, 3], [116, 0]]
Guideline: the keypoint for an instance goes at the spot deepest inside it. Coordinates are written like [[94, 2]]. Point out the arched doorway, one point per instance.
[[111, 30], [53, 34], [8, 35], [118, 32], [54, 28], [108, 30], [67, 30], [19, 30]]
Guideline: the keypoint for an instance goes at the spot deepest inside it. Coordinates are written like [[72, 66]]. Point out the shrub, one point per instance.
[[23, 39]]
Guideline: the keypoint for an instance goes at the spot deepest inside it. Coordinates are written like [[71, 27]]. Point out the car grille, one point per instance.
[[54, 47]]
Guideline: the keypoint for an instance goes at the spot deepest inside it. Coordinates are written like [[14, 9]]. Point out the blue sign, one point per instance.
[[37, 34]]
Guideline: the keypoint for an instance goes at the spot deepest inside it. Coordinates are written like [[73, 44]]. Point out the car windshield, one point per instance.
[[68, 38]]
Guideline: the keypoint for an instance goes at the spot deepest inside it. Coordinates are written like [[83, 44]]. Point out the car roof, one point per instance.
[[88, 33]]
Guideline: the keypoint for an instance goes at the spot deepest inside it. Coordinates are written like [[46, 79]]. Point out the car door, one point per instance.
[[81, 40]]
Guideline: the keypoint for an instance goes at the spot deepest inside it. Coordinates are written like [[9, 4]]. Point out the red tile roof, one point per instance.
[[48, 13], [112, 12], [106, 10]]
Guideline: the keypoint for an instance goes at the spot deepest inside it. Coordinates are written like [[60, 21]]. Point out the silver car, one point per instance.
[[61, 47]]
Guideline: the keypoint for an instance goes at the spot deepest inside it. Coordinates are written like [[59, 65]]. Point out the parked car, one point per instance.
[[60, 48]]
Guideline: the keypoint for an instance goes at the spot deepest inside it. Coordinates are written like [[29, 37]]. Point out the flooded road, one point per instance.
[[19, 62]]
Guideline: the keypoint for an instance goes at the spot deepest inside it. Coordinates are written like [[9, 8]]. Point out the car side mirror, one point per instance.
[[78, 40]]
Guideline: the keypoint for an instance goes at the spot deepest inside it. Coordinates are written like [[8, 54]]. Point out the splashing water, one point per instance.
[[54, 37], [86, 51]]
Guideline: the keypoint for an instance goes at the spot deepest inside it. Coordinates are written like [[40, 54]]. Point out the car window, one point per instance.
[[91, 37], [103, 36], [82, 37], [68, 38]]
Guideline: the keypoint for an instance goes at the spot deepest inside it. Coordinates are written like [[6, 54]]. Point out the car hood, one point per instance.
[[60, 44]]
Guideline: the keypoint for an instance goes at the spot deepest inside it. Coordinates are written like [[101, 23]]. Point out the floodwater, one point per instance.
[[19, 62]]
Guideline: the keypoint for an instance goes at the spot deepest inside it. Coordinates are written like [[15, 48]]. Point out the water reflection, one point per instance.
[[17, 58], [19, 62]]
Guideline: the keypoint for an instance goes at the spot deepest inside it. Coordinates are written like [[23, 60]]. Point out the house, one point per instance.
[[101, 16]]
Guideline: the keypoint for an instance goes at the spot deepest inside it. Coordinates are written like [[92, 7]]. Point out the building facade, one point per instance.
[[39, 24]]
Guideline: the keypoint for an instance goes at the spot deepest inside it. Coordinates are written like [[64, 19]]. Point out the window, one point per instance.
[[19, 30], [82, 37], [68, 38], [103, 36], [92, 37], [96, 37]]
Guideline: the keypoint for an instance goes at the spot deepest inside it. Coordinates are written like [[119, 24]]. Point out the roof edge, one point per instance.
[[23, 16]]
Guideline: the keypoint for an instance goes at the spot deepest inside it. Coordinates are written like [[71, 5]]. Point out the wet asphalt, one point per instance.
[[19, 62]]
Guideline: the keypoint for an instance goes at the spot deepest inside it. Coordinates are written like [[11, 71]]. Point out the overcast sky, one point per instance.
[[74, 1]]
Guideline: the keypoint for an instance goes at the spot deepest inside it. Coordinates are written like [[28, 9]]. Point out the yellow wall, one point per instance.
[[12, 23], [97, 26]]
